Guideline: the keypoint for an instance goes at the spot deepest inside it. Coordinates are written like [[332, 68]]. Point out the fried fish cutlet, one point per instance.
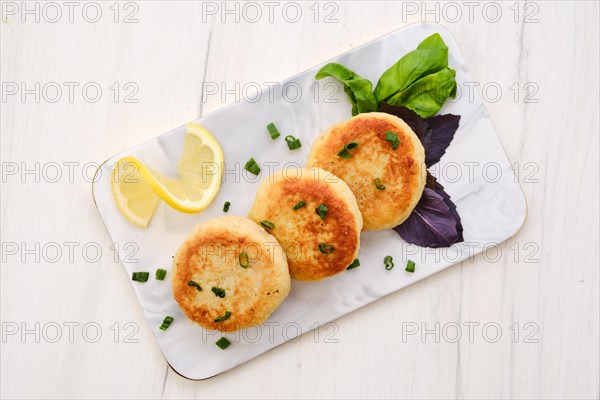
[[241, 270], [387, 182], [317, 244]]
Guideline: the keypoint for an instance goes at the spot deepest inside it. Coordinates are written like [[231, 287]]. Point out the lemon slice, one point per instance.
[[135, 198], [137, 188]]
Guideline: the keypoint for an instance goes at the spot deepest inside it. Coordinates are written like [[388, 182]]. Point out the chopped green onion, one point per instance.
[[252, 167], [166, 323], [223, 343], [388, 261], [344, 154], [267, 224], [226, 206], [223, 317], [140, 276], [194, 284], [299, 205], [393, 139], [218, 292], [273, 131], [325, 248], [292, 142], [160, 274], [410, 266], [354, 264], [378, 184], [322, 210], [243, 259]]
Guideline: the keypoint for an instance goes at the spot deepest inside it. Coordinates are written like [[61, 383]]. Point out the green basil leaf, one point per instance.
[[358, 89], [427, 95], [434, 41], [430, 56], [453, 92]]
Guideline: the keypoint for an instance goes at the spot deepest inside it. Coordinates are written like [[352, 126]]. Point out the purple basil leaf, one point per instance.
[[431, 223], [412, 119], [435, 133], [434, 222], [442, 127], [426, 141], [432, 183]]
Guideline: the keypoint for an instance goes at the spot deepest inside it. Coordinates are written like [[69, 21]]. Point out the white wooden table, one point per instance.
[[71, 325]]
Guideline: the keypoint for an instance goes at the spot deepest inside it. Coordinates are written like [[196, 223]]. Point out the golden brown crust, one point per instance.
[[402, 171], [300, 231], [210, 257]]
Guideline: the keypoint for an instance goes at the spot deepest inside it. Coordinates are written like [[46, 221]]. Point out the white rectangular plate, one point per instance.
[[489, 200]]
